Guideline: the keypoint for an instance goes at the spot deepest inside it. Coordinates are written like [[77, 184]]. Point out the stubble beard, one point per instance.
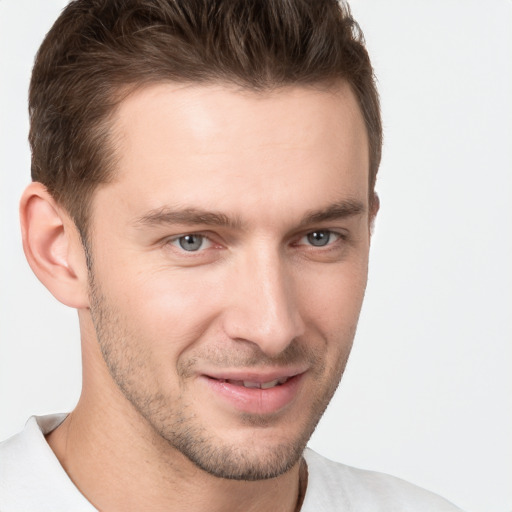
[[174, 421]]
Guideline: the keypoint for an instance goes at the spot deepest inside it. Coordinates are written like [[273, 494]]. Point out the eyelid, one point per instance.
[[337, 234], [174, 242]]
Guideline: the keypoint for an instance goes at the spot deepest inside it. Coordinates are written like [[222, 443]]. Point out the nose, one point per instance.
[[263, 307]]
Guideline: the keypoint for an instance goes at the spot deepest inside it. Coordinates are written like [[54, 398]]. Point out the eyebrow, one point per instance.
[[167, 215], [335, 211], [195, 216]]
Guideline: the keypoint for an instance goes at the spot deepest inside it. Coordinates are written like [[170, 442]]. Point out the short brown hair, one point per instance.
[[98, 50]]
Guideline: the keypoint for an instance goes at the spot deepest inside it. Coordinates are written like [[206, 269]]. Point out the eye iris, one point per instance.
[[319, 238], [191, 242]]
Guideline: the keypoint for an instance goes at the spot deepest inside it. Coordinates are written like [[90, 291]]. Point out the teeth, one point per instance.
[[271, 384], [248, 384], [265, 385], [256, 385]]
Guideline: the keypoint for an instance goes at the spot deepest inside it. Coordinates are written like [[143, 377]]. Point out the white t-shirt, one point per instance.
[[32, 480]]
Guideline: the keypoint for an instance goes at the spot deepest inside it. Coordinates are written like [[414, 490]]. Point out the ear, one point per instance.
[[374, 208], [53, 247]]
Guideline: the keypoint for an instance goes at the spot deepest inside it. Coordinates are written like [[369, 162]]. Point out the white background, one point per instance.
[[427, 394]]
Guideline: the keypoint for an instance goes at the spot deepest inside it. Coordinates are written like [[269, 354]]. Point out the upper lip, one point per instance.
[[259, 376]]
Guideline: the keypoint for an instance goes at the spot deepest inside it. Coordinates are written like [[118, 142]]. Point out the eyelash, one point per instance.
[[330, 234], [175, 241]]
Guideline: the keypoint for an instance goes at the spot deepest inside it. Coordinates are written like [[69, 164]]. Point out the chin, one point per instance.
[[259, 450], [247, 463]]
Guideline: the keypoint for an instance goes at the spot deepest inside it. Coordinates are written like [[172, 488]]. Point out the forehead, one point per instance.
[[212, 146]]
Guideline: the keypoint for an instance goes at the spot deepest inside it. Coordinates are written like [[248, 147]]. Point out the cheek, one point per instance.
[[331, 298], [168, 308]]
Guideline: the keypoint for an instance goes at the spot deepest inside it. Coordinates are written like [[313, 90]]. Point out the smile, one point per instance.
[[254, 394]]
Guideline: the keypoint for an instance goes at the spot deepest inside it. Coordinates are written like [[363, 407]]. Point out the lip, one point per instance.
[[260, 376], [254, 400]]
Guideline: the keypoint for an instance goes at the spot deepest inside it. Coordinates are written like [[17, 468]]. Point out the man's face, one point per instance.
[[229, 263]]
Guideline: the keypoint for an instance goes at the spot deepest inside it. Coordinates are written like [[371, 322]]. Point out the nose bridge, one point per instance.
[[265, 311]]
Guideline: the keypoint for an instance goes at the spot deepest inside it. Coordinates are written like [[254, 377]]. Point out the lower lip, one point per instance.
[[255, 400]]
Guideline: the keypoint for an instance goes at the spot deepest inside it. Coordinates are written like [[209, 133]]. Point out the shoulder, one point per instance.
[[27, 447], [31, 477], [333, 486]]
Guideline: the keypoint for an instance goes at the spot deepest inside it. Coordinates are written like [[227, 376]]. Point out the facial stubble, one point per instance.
[[173, 418]]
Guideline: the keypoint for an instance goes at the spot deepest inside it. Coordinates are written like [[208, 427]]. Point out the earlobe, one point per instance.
[[52, 247]]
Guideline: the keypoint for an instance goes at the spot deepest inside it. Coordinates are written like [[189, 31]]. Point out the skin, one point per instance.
[[258, 300]]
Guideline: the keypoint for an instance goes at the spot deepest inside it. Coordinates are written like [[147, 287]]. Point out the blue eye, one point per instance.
[[320, 238], [191, 242]]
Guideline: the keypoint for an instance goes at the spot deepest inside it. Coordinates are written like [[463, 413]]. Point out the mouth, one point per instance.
[[255, 394], [256, 385]]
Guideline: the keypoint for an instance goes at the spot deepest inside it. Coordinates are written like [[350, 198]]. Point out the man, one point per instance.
[[203, 195]]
